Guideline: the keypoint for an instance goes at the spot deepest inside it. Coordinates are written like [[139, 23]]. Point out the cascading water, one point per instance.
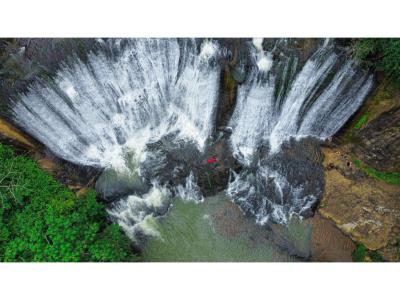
[[282, 102], [104, 112], [144, 110], [128, 93]]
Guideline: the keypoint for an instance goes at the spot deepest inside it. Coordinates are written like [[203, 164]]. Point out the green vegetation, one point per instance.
[[398, 249], [40, 220], [361, 121], [381, 55], [359, 254], [383, 99], [390, 177], [362, 254], [375, 256]]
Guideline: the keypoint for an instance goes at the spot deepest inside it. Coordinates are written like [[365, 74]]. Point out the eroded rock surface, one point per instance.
[[366, 209], [379, 142], [8, 131], [328, 243]]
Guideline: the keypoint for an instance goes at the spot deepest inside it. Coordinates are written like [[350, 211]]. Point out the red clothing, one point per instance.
[[212, 160]]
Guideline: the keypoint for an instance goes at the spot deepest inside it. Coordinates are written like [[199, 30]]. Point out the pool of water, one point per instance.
[[215, 230]]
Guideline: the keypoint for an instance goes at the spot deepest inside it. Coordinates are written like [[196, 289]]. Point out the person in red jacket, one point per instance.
[[212, 160]]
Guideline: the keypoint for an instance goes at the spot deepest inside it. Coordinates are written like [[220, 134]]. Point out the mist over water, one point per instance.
[[145, 109]]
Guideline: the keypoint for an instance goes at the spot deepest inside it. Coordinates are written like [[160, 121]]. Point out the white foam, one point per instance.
[[257, 118], [190, 191], [265, 62], [208, 49], [136, 212], [257, 43]]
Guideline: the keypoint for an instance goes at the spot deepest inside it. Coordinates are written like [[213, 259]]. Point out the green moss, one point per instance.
[[375, 256], [362, 254], [356, 124], [383, 98], [361, 121], [230, 82], [386, 92], [388, 177], [359, 254]]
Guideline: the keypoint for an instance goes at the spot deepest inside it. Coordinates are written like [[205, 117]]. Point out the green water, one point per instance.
[[216, 231]]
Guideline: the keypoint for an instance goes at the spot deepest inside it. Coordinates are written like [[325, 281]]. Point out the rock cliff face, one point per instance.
[[361, 205], [24, 60], [379, 142], [9, 132], [328, 243], [366, 209]]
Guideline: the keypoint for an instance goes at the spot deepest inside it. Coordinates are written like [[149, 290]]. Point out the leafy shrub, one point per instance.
[[359, 254], [40, 220], [375, 256], [362, 254], [380, 54]]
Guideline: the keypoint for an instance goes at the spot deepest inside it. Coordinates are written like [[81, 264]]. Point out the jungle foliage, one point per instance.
[[41, 220], [381, 55]]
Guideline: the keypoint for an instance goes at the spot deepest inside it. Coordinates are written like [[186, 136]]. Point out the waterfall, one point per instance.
[[315, 101], [135, 214], [128, 94], [143, 110], [284, 102]]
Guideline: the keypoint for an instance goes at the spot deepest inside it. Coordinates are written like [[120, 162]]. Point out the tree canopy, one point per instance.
[[40, 220], [380, 54]]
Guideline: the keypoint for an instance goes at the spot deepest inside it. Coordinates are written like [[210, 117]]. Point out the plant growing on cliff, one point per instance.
[[40, 220], [381, 55], [361, 121], [362, 254], [359, 254], [388, 177]]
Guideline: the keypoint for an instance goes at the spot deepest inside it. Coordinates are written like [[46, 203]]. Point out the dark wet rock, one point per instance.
[[306, 48], [24, 60], [170, 161], [49, 52], [229, 222], [213, 172], [307, 149], [278, 184], [328, 243], [113, 184], [225, 129], [239, 73], [378, 144], [235, 63], [227, 101]]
